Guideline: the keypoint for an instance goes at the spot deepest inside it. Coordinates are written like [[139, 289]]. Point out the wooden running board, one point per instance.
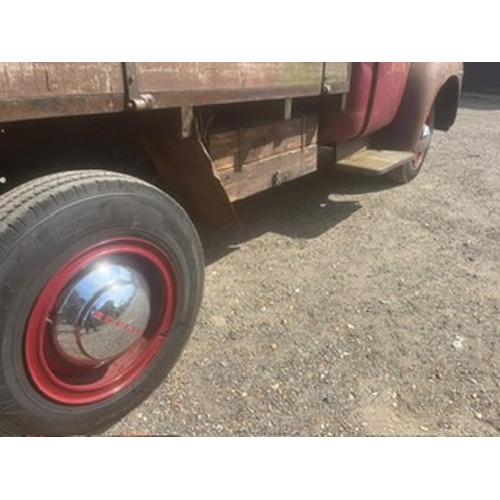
[[374, 161]]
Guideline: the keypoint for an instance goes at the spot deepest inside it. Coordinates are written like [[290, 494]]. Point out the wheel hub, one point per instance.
[[102, 313], [97, 325]]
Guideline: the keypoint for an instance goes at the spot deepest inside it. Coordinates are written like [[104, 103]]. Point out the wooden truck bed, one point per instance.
[[39, 90]]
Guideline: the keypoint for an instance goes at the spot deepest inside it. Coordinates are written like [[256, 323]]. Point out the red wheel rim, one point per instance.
[[86, 356]]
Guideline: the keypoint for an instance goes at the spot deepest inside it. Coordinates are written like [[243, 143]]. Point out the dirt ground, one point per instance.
[[348, 306]]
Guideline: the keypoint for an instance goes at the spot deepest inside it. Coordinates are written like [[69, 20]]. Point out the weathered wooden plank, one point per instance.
[[224, 150], [336, 76], [32, 80], [264, 174], [261, 142], [374, 161], [206, 76], [42, 90], [230, 150], [39, 90], [187, 170], [190, 83]]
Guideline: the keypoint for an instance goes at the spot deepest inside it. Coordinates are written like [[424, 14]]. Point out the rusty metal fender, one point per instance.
[[428, 83], [190, 176]]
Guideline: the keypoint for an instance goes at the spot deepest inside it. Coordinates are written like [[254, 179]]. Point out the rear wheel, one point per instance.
[[101, 279], [410, 170]]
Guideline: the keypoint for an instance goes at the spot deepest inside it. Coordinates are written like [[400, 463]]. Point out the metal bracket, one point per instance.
[[325, 87], [134, 101], [187, 121], [288, 109]]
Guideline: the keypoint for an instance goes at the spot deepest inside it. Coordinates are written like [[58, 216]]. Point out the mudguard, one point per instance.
[[428, 83]]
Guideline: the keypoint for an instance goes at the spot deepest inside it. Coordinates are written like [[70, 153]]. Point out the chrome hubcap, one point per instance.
[[423, 144], [102, 313], [426, 132]]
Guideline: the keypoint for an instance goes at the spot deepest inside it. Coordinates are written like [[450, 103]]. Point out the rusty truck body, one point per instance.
[[102, 168]]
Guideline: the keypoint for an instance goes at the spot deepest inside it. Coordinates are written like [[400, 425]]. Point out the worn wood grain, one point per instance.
[[253, 159], [31, 90], [231, 150], [212, 83], [32, 80], [264, 174], [336, 75]]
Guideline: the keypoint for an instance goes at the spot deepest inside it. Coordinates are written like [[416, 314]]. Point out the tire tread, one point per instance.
[[22, 210]]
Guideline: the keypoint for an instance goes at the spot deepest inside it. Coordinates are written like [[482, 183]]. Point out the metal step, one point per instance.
[[374, 161]]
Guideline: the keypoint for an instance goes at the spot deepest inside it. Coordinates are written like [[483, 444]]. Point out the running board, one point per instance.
[[373, 161]]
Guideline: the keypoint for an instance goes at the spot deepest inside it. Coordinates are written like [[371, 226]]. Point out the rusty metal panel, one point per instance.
[[425, 81]]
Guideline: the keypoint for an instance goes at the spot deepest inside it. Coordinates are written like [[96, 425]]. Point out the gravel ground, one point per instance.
[[348, 306]]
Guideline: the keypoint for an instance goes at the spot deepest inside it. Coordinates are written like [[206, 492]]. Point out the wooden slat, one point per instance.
[[183, 83], [224, 150], [336, 75], [230, 150], [374, 161], [31, 80], [264, 141], [39, 90], [208, 76], [257, 158], [264, 174]]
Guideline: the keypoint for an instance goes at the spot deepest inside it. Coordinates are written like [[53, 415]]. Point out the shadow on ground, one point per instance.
[[480, 102], [302, 209]]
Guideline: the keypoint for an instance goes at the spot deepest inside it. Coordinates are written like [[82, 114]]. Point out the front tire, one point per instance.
[[101, 279]]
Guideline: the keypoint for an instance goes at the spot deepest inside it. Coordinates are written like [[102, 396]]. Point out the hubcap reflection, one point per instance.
[[103, 313], [100, 321]]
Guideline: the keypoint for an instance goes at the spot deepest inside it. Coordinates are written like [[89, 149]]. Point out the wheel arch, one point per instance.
[[428, 83], [446, 103]]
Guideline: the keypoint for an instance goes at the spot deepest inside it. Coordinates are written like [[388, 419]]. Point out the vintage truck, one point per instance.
[[101, 268]]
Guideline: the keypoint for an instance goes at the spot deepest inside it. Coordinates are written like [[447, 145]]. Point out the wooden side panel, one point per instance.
[[224, 151], [210, 82], [254, 159], [40, 90], [270, 172], [187, 170], [37, 80], [337, 76]]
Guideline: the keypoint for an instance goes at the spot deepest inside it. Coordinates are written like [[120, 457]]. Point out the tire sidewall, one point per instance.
[[47, 246]]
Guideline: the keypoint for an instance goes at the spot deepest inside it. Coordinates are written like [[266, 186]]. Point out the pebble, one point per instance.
[[458, 343]]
